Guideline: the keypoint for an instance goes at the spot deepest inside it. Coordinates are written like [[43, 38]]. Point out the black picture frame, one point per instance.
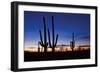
[[14, 35]]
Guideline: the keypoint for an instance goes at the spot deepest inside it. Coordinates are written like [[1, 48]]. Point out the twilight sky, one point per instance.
[[65, 24]]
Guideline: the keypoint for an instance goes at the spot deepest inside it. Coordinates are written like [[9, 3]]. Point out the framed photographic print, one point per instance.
[[52, 36]]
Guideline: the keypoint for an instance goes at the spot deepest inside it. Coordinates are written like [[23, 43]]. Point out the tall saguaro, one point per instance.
[[43, 44], [72, 43], [54, 42]]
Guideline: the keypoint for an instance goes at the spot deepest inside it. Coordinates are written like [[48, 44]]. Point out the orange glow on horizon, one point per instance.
[[57, 49]]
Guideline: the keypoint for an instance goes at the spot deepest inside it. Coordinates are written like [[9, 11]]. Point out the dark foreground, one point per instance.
[[41, 56]]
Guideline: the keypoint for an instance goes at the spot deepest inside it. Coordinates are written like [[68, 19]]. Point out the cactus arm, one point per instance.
[[53, 37], [41, 37], [56, 40], [45, 38], [41, 44], [49, 38]]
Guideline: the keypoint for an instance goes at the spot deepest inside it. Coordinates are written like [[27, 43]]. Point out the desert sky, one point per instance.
[[65, 24]]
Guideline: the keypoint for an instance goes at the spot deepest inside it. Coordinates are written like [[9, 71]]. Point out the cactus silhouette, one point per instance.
[[54, 42], [38, 46], [43, 44], [72, 43]]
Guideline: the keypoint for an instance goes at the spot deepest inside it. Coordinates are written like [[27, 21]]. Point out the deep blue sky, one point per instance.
[[65, 24]]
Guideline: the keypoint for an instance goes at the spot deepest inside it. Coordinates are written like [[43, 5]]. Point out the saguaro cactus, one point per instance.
[[43, 44], [72, 43], [54, 43], [38, 46]]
